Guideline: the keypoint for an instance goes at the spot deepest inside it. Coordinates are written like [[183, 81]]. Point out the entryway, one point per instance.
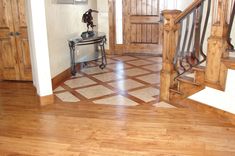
[[126, 81], [135, 27]]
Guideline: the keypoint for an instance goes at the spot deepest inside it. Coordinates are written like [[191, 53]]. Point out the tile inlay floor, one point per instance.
[[126, 81]]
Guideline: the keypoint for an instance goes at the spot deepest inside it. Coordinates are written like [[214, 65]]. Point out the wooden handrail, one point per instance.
[[188, 10]]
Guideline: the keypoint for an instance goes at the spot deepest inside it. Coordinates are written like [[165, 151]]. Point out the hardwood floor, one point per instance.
[[103, 130]]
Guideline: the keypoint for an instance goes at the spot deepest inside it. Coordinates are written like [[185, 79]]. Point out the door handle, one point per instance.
[[11, 34], [17, 33]]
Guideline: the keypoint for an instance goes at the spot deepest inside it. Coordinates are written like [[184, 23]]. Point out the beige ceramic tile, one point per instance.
[[146, 94], [79, 82], [139, 62], [126, 84], [59, 89], [118, 66], [94, 70], [108, 77], [156, 59], [94, 91], [163, 105], [151, 78], [153, 67], [67, 97], [110, 61], [124, 58], [116, 100], [135, 72]]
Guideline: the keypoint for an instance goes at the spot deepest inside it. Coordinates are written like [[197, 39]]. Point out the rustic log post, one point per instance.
[[170, 33], [216, 71]]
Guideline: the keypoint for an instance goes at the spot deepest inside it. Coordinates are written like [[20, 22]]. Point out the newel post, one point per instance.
[[168, 73], [216, 72]]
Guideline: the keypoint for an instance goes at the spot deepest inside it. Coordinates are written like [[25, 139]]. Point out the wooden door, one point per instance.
[[22, 42], [142, 28], [14, 47], [9, 68]]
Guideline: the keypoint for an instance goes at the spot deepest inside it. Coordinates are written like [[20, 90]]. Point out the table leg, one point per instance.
[[103, 56], [72, 58]]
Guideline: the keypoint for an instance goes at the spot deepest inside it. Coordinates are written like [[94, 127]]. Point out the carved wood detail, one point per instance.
[[170, 38]]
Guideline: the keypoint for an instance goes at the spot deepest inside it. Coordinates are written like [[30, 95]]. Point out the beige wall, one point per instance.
[[103, 19], [63, 22]]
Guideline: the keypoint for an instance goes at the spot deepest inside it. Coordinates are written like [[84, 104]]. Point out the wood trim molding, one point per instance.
[[57, 80], [46, 100], [195, 105]]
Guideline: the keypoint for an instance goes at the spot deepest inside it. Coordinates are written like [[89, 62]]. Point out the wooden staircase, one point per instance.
[[188, 85], [229, 62], [176, 86]]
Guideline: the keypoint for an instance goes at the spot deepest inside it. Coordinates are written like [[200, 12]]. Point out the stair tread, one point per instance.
[[175, 90], [229, 62], [199, 68], [229, 59], [187, 79]]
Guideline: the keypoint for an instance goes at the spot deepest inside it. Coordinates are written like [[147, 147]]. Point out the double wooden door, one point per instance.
[[14, 47], [141, 26]]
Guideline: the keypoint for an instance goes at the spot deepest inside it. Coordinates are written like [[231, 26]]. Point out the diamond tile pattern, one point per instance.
[[126, 84], [94, 91], [67, 97], [117, 100], [79, 82], [126, 81], [139, 62], [135, 72], [146, 94], [108, 77], [151, 78]]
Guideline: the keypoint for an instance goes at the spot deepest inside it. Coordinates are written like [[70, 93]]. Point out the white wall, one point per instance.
[[103, 19], [64, 21], [218, 99], [39, 47]]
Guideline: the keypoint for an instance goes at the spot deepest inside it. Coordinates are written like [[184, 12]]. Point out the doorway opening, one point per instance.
[[135, 27]]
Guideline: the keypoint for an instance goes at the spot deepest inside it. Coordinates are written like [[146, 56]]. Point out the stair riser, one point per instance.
[[188, 89], [200, 77]]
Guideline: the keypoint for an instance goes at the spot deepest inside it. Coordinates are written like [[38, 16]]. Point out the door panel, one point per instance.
[[8, 54], [141, 26], [22, 39]]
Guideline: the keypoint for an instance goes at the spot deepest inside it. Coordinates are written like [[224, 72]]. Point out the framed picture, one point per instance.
[[72, 1]]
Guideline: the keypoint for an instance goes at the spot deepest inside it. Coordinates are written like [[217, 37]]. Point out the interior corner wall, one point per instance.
[[63, 22], [37, 33]]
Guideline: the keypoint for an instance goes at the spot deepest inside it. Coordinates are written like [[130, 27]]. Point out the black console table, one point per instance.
[[99, 39]]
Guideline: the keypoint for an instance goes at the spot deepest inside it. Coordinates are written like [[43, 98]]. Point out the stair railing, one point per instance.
[[193, 26], [182, 45], [231, 15]]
